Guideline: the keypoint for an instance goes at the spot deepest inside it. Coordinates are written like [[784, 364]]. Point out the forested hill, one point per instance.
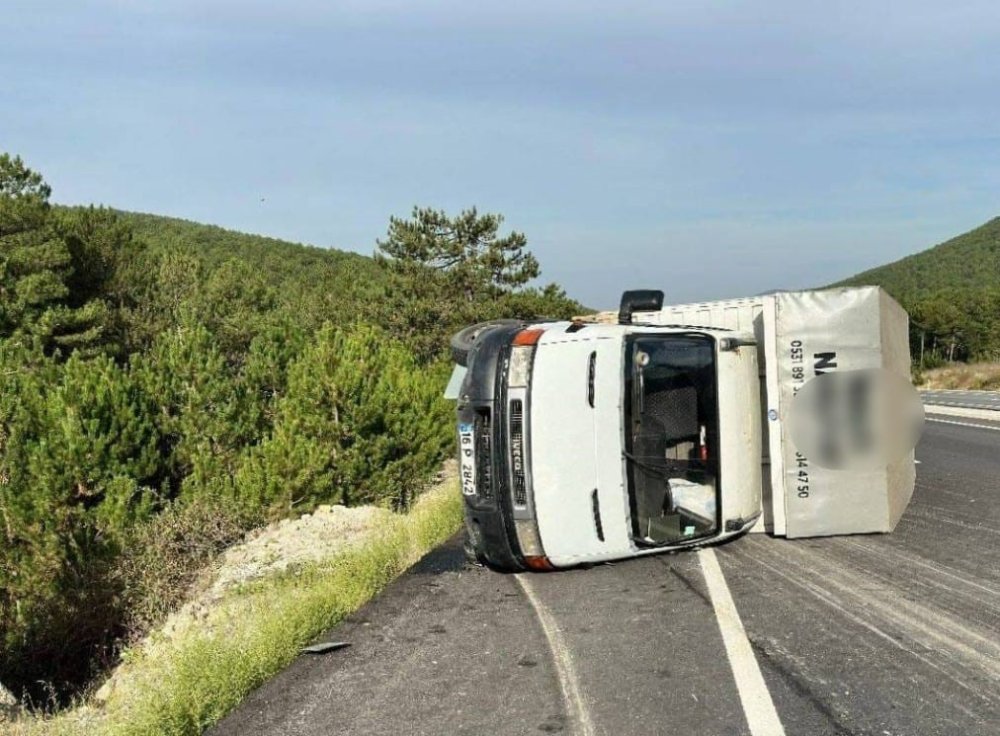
[[166, 386], [969, 261], [214, 245], [952, 292], [334, 282]]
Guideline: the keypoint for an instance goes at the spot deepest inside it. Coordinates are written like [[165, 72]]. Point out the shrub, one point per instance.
[[360, 422], [200, 410], [78, 447], [162, 558]]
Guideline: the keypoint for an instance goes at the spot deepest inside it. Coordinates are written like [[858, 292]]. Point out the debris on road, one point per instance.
[[325, 646]]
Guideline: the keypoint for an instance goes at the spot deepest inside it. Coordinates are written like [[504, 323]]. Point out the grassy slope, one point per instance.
[[181, 689], [969, 261]]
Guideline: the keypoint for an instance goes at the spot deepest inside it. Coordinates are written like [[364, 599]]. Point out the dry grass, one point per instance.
[[967, 376]]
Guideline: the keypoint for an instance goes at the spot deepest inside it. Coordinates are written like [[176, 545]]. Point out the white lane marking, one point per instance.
[[959, 391], [762, 718], [964, 424], [576, 709], [990, 407], [965, 412]]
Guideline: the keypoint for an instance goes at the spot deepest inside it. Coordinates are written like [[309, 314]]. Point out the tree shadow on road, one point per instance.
[[449, 557]]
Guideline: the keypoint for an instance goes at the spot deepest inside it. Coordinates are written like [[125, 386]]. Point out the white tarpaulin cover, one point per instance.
[[801, 335], [839, 330]]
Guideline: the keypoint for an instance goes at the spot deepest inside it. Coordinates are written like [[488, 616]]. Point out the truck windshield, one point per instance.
[[671, 437]]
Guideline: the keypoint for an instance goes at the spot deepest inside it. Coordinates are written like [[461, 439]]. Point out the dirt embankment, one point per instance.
[[274, 549], [249, 615], [278, 548]]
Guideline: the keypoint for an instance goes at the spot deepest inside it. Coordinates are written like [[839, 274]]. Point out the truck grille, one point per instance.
[[518, 488], [484, 460]]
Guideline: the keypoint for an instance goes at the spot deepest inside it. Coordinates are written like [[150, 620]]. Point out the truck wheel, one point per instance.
[[463, 340]]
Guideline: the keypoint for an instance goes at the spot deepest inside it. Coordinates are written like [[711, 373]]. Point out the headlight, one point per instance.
[[527, 538], [520, 366], [531, 545]]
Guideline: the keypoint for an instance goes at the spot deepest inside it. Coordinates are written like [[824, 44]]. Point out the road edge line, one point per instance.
[[762, 718], [966, 412], [995, 428], [576, 709]]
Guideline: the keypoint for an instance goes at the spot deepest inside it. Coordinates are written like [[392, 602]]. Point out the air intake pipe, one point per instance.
[[639, 300]]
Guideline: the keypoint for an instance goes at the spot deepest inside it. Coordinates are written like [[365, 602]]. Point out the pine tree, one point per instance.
[[467, 249], [34, 262], [36, 271], [359, 422], [448, 272]]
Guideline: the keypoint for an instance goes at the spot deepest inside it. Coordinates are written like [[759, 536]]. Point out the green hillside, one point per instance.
[[952, 292], [166, 386], [349, 274], [177, 259], [969, 261]]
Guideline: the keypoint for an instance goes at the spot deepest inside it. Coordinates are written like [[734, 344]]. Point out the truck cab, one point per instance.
[[583, 443]]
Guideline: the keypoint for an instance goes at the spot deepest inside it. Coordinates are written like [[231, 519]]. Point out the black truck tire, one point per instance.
[[463, 340]]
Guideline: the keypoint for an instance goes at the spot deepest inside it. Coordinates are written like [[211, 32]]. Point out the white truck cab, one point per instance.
[[583, 442]]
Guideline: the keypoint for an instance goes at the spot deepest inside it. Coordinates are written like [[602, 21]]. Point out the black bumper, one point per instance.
[[489, 511]]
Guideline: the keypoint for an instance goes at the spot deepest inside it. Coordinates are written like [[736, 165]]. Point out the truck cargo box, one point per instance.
[[801, 335]]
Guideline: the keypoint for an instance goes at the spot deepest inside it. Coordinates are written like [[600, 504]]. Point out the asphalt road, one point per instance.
[[963, 399], [881, 634]]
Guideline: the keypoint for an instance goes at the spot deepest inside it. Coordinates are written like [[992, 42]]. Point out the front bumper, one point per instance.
[[489, 514]]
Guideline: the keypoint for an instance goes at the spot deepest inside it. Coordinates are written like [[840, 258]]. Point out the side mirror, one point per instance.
[[639, 300]]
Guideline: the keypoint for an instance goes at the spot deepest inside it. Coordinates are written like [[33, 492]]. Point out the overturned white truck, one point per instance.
[[582, 442]]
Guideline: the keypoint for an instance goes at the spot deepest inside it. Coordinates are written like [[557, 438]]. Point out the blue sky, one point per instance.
[[708, 148]]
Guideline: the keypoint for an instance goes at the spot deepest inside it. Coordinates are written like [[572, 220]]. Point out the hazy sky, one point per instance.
[[707, 148]]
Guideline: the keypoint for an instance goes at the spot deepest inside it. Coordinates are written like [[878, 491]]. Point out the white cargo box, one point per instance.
[[801, 335]]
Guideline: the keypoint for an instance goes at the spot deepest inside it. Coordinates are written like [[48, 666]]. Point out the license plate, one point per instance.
[[467, 457]]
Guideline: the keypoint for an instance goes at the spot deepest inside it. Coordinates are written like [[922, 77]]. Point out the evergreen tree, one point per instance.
[[447, 272], [358, 422], [34, 262], [245, 380], [466, 249], [36, 268]]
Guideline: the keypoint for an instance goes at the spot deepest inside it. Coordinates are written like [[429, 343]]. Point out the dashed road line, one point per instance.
[[762, 718], [576, 707]]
